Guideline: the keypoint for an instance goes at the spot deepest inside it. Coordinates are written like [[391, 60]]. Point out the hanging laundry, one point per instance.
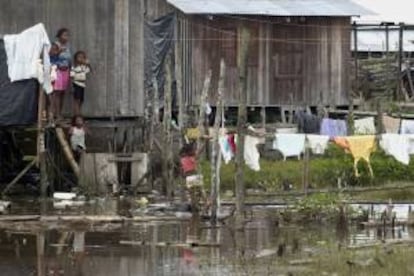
[[225, 148], [232, 143], [361, 148], [391, 125], [365, 126], [251, 152], [333, 128], [23, 51], [407, 126], [342, 142], [318, 143], [308, 123], [410, 138], [397, 146], [193, 133], [290, 144]]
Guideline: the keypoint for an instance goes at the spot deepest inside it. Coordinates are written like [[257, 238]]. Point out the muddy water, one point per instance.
[[101, 250]]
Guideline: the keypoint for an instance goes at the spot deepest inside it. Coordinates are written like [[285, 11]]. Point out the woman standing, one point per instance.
[[62, 81]]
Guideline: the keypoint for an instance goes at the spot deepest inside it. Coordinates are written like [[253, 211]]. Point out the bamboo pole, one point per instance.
[[67, 151], [242, 119], [216, 153], [167, 160]]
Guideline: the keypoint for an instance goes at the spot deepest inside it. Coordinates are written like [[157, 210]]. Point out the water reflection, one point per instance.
[[166, 247]]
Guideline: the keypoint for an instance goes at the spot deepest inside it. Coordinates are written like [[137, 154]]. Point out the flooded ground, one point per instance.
[[263, 247]]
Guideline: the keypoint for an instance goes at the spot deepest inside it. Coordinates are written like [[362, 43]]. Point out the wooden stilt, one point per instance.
[[41, 149], [216, 153], [242, 119], [40, 248], [179, 77], [168, 156], [203, 101], [306, 160]]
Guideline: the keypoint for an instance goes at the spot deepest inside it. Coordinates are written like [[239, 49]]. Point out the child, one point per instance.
[[193, 180], [77, 137], [55, 60], [61, 84], [78, 73]]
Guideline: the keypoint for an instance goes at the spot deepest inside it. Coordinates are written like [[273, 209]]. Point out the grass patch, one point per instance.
[[324, 173]]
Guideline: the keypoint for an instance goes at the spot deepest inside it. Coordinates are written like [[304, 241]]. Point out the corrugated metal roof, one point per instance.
[[271, 7]]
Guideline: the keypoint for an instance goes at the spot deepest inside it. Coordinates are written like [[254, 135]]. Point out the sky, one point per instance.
[[388, 10]]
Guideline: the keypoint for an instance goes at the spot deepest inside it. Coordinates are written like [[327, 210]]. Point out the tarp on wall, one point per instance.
[[18, 100], [159, 40]]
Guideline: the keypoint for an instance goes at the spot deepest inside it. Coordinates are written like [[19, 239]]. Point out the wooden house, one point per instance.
[[299, 50], [111, 34]]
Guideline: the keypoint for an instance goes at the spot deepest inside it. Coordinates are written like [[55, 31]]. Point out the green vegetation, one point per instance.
[[324, 173]]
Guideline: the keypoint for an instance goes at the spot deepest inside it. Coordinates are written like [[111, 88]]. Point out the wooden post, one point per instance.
[[356, 82], [380, 126], [203, 100], [168, 155], [40, 254], [242, 119], [387, 52], [306, 160], [263, 116], [155, 116], [216, 153], [41, 148], [400, 59], [179, 77]]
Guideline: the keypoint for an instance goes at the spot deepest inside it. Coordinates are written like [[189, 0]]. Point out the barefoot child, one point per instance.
[[77, 137], [78, 73]]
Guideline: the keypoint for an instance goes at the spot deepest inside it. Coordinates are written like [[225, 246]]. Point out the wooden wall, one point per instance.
[[304, 59], [109, 30]]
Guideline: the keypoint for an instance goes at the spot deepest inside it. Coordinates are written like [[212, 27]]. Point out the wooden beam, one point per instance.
[[242, 118], [19, 176], [67, 151]]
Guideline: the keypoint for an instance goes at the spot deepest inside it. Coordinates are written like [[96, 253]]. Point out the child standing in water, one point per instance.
[[193, 180], [78, 73], [77, 137]]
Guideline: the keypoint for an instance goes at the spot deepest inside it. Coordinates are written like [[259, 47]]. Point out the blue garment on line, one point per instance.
[[333, 128]]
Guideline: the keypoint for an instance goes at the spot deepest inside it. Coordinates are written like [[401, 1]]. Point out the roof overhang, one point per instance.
[[330, 8]]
